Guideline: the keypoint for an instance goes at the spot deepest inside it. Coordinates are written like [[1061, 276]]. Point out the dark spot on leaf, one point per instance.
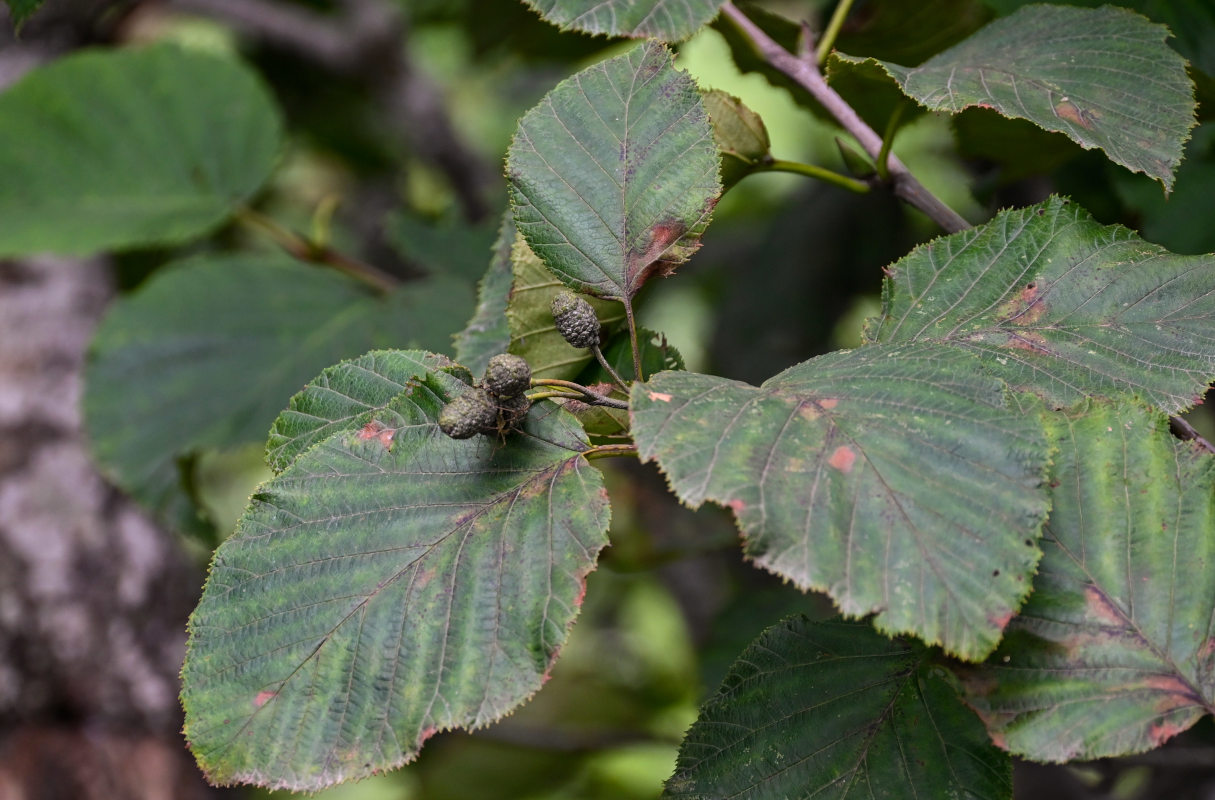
[[995, 573], [1029, 542]]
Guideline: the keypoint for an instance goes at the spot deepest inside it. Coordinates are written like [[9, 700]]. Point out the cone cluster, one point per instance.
[[495, 406]]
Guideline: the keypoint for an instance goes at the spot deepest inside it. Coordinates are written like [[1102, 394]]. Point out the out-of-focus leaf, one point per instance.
[[1103, 77], [346, 396], [449, 247], [1020, 148], [672, 20], [487, 333], [110, 149], [384, 588], [208, 352], [20, 10], [740, 135], [895, 479], [833, 710], [533, 334], [1055, 303], [614, 174], [1181, 221], [1115, 652], [909, 33]]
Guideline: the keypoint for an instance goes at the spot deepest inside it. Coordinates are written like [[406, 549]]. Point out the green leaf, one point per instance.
[[1054, 303], [894, 479], [208, 351], [614, 174], [1103, 77], [1115, 651], [833, 710], [111, 149], [384, 588], [533, 334], [487, 333], [672, 20], [20, 10], [346, 396], [740, 134], [1192, 22]]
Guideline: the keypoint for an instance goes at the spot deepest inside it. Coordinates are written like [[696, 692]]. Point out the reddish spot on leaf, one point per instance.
[[426, 733], [1100, 607], [1001, 620], [1161, 732], [1174, 686], [378, 431], [664, 397], [1069, 111], [828, 403], [263, 698], [737, 506], [658, 253], [843, 458]]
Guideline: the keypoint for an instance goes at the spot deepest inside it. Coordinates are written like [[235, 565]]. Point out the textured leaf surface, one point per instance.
[[117, 148], [346, 396], [1057, 304], [1104, 77], [1115, 651], [614, 174], [894, 479], [533, 333], [672, 20], [207, 352], [386, 586], [1192, 22], [487, 333], [833, 710]]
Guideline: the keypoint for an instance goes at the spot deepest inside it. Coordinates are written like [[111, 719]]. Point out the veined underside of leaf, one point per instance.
[[389, 584], [1103, 77], [834, 710], [1054, 303], [1115, 651], [895, 479], [671, 20], [614, 174]]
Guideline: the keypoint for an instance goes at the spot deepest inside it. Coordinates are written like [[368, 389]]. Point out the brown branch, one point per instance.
[[1187, 433], [366, 41], [807, 75]]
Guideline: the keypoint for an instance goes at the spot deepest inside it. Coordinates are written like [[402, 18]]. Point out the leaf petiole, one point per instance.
[[812, 171]]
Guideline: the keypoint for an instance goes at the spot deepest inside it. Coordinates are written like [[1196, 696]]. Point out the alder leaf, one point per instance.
[[614, 174], [107, 149], [1103, 77], [833, 710], [390, 584], [895, 479], [529, 316], [1115, 651], [1054, 303], [347, 396], [207, 352], [671, 20]]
